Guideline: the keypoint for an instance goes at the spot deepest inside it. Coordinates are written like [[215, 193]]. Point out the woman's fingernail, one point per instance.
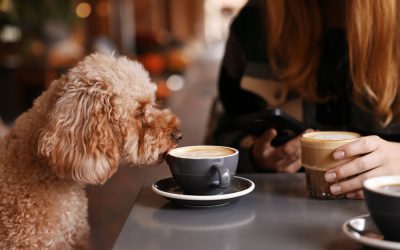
[[330, 176], [338, 155], [350, 195], [335, 189]]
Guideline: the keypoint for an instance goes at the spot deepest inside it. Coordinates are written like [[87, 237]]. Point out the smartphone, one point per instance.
[[257, 123]]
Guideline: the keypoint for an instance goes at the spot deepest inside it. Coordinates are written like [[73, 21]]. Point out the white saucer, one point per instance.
[[363, 230], [170, 190]]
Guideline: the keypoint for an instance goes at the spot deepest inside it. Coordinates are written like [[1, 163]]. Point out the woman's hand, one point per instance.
[[374, 157], [284, 158]]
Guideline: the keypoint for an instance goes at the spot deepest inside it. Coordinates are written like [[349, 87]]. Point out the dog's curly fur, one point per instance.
[[3, 129], [100, 114]]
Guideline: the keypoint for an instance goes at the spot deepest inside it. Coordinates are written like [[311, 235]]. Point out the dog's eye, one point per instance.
[[157, 105], [139, 114]]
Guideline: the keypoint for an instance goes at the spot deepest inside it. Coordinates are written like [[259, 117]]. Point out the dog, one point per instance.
[[3, 129], [97, 116]]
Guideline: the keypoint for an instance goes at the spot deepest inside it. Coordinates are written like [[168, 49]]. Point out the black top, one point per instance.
[[246, 58]]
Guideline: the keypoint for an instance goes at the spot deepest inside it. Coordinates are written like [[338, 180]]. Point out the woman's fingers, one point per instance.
[[363, 145], [290, 164], [372, 158], [284, 158], [262, 149], [289, 150], [267, 137], [355, 166], [356, 183]]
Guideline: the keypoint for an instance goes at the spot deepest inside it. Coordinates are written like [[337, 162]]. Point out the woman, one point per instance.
[[332, 64]]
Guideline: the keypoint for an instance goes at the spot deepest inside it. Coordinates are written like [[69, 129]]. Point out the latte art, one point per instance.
[[334, 137], [331, 135], [202, 152]]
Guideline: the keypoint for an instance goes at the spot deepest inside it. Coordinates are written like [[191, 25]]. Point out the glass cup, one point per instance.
[[317, 158]]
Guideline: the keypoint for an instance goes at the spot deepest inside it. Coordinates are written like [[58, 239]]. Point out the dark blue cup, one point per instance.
[[382, 196], [204, 169]]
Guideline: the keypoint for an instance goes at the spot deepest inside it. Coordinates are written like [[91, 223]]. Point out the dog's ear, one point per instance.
[[78, 140]]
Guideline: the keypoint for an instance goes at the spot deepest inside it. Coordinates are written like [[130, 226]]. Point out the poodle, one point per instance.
[[99, 115], [3, 129]]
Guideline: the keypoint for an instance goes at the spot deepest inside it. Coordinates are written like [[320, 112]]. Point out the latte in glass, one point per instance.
[[317, 158]]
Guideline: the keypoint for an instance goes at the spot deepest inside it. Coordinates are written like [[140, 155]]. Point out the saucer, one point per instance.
[[170, 190], [363, 230]]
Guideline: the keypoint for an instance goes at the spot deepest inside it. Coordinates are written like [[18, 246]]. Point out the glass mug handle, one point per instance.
[[224, 176]]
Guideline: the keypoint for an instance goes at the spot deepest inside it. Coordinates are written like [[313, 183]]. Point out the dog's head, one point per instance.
[[100, 114]]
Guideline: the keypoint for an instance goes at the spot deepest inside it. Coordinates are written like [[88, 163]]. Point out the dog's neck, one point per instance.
[[21, 142], [23, 136], [20, 148]]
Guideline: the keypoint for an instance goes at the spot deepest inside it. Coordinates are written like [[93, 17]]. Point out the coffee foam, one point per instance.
[[327, 139], [331, 135], [202, 152]]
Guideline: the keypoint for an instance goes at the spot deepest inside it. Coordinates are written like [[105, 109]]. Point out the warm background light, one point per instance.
[[83, 10], [10, 33], [5, 5], [102, 9], [175, 82]]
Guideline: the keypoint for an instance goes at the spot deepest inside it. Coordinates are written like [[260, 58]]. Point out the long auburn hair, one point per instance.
[[373, 36]]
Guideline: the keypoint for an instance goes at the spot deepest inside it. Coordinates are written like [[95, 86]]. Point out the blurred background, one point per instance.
[[180, 43], [39, 40]]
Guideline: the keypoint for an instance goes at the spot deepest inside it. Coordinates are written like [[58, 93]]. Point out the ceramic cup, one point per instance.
[[204, 169], [317, 157], [382, 195]]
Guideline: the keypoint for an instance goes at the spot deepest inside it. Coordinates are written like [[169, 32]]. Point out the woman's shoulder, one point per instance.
[[248, 16]]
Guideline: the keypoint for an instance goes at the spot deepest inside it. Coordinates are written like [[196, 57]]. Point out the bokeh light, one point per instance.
[[10, 33], [175, 82], [83, 10]]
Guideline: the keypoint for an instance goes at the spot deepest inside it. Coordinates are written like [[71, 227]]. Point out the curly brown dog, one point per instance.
[[100, 114], [3, 129]]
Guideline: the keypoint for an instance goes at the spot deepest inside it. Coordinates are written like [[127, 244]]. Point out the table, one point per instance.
[[278, 214]]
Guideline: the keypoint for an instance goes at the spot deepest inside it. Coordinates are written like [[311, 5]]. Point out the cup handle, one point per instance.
[[224, 176]]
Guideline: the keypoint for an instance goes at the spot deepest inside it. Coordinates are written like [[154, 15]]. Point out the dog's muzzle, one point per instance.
[[176, 136]]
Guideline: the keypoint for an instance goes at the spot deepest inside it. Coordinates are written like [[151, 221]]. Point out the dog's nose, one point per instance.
[[177, 136]]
